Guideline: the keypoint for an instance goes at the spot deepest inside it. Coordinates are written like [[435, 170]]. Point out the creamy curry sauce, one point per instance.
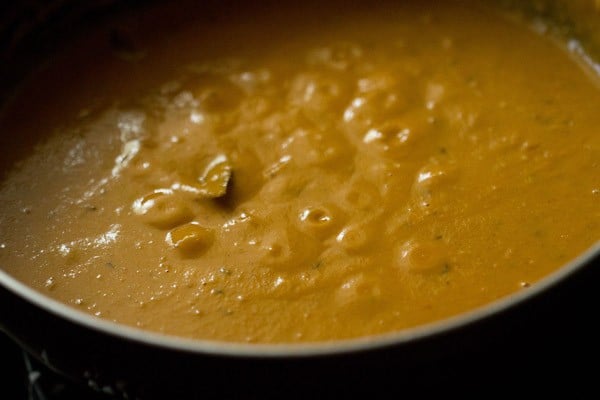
[[306, 175]]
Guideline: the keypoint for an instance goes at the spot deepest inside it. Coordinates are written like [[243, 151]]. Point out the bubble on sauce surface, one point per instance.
[[191, 239], [131, 125], [162, 209], [215, 93], [319, 94], [356, 237], [357, 291], [318, 220], [253, 80], [379, 97], [312, 147], [359, 194], [275, 249], [460, 118], [431, 183], [75, 254], [72, 253], [423, 257], [435, 174], [383, 82], [398, 137], [286, 249], [337, 56], [140, 168], [254, 108], [434, 94]]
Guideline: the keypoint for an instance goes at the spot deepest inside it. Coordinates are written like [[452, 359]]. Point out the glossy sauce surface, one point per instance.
[[311, 174]]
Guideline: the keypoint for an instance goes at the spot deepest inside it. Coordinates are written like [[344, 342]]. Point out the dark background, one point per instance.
[[12, 371]]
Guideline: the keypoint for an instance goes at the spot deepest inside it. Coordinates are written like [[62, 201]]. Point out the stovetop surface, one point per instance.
[[23, 378], [540, 371]]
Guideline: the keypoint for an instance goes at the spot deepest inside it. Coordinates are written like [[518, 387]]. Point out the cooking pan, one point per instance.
[[538, 340]]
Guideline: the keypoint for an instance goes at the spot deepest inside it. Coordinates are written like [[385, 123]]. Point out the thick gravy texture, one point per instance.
[[304, 174]]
